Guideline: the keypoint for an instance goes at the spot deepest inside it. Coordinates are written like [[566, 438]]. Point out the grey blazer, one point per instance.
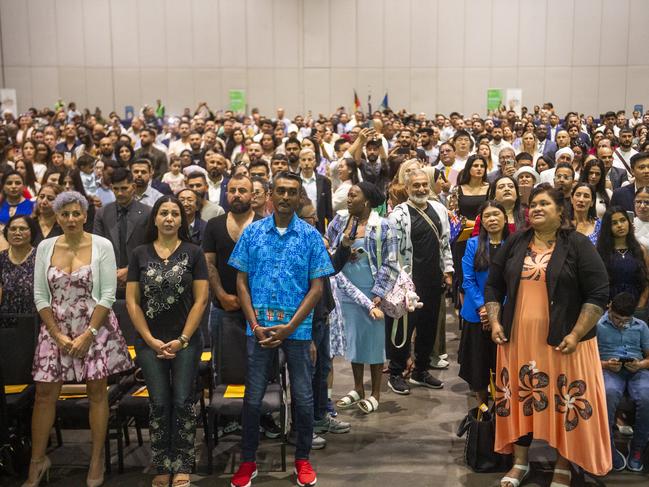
[[106, 225]]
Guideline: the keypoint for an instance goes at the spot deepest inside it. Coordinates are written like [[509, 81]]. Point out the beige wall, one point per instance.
[[589, 55]]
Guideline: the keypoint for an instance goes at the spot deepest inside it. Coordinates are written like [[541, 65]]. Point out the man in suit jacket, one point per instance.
[[123, 222], [547, 147], [614, 174], [625, 195], [317, 187]]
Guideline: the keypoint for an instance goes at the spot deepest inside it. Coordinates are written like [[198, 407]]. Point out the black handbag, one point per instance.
[[479, 454]]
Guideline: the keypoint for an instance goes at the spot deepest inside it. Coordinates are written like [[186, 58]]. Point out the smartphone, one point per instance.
[[352, 231], [371, 124], [360, 251], [631, 215], [626, 360]]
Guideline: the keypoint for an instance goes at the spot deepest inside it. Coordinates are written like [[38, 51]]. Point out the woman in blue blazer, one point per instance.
[[477, 354]]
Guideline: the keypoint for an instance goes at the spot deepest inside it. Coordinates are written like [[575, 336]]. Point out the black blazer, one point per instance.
[[624, 196], [196, 232], [575, 276], [106, 225], [325, 208]]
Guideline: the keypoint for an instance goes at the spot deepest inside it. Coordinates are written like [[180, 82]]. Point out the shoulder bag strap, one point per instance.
[[428, 220], [623, 161]]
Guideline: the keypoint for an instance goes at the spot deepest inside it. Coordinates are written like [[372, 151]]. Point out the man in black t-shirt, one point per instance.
[[219, 239]]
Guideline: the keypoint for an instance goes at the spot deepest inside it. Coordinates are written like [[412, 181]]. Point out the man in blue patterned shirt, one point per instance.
[[281, 260]]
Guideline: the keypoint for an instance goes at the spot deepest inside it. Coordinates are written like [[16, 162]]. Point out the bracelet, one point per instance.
[[253, 326], [93, 331]]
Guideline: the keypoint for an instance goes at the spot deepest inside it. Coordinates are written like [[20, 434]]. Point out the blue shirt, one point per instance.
[[627, 342], [280, 268]]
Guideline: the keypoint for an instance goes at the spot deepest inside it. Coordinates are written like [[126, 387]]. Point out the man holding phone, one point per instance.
[[623, 343], [281, 261]]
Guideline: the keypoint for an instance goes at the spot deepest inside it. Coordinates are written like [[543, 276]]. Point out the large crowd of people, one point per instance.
[[345, 236]]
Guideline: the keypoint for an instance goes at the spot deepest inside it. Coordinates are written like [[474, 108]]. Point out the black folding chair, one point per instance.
[[18, 334], [231, 363]]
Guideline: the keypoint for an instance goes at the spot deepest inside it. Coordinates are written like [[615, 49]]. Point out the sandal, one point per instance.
[[368, 405], [514, 482], [158, 481], [348, 400], [560, 471]]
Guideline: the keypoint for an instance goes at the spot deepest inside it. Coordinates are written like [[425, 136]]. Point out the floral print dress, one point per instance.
[[558, 398], [72, 306]]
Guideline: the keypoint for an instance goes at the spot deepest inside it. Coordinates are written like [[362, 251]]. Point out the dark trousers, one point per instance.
[[322, 369], [424, 320], [637, 384], [172, 422]]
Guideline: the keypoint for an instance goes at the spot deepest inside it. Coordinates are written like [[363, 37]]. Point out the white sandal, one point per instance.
[[567, 473], [514, 481], [368, 405], [348, 400]]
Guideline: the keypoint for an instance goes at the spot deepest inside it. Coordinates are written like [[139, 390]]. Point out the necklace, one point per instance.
[[15, 259], [622, 252]]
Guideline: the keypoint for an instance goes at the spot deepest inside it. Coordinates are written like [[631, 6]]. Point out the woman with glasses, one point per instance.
[[260, 202], [17, 266], [641, 220]]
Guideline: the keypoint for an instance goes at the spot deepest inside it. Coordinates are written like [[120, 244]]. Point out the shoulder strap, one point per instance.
[[379, 256], [617, 152], [428, 220]]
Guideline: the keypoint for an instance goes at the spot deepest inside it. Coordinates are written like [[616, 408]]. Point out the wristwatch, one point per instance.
[[184, 341], [94, 331]]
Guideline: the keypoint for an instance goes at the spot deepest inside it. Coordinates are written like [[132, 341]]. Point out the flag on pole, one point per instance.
[[384, 103], [369, 104], [357, 101]]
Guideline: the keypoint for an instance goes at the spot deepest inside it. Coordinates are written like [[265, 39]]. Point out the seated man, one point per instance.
[[624, 351]]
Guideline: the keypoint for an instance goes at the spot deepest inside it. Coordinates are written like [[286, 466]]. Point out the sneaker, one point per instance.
[[425, 379], [269, 427], [331, 409], [634, 461], [444, 356], [317, 443], [398, 385], [440, 364], [243, 478], [305, 473], [331, 425], [619, 462], [625, 429]]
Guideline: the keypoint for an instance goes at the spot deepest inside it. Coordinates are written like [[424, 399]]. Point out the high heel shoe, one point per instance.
[[45, 472], [95, 482]]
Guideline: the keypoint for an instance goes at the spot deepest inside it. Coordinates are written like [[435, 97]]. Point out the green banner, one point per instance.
[[238, 101], [495, 99]]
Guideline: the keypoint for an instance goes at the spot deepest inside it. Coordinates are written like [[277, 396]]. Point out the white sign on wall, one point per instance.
[[8, 100]]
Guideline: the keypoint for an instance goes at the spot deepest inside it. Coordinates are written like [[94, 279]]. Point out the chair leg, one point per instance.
[[127, 439], [138, 431], [57, 430], [210, 442], [107, 453], [120, 448]]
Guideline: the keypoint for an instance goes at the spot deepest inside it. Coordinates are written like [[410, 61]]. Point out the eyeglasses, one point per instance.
[[18, 229], [642, 202]]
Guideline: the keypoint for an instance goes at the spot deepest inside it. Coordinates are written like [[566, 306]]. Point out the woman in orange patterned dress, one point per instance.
[[549, 384]]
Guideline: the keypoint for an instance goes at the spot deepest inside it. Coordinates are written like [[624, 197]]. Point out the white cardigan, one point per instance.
[[104, 272]]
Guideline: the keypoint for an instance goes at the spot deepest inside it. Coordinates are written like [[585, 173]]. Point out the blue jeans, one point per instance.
[[172, 422], [637, 384], [260, 365], [322, 369]]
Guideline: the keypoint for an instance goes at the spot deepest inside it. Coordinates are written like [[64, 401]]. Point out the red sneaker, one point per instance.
[[243, 478], [305, 473]]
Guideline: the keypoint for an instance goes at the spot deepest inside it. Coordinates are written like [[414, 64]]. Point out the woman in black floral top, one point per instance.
[[166, 295], [17, 267]]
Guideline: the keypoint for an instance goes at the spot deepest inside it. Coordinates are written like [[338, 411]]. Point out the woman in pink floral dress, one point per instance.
[[80, 340]]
